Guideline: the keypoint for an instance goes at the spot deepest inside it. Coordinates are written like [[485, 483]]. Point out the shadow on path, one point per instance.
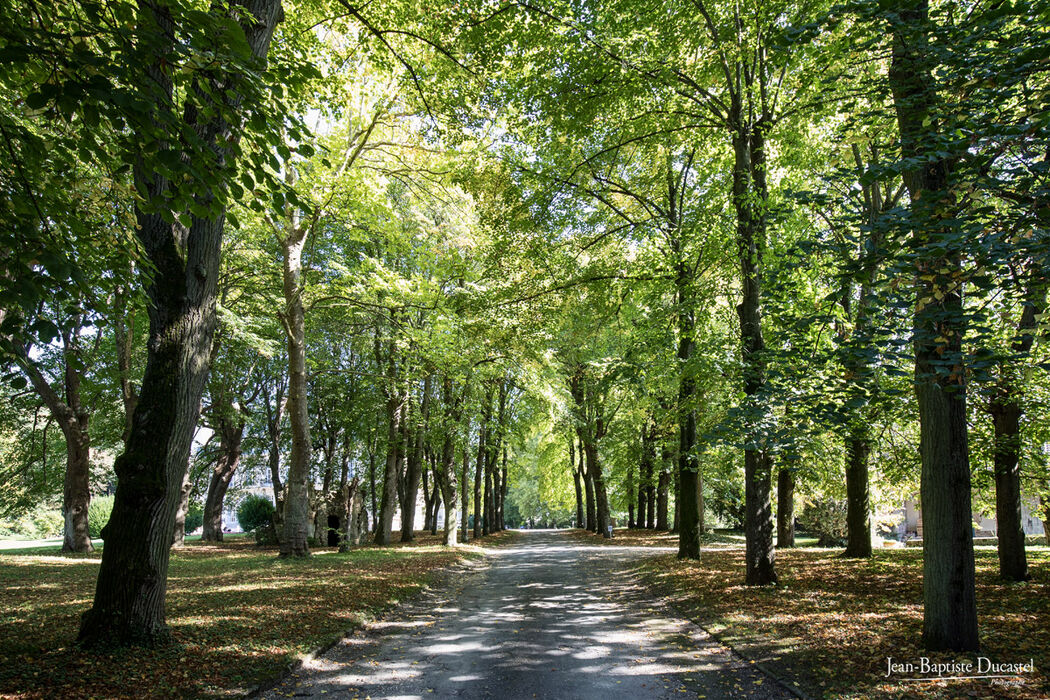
[[549, 618]]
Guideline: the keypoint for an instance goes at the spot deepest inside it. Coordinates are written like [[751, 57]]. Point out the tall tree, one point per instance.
[[183, 249], [949, 595]]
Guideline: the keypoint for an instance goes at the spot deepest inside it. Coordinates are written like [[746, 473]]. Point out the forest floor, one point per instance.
[[238, 614], [831, 623]]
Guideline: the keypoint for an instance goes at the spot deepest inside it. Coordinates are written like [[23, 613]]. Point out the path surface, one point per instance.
[[547, 618]]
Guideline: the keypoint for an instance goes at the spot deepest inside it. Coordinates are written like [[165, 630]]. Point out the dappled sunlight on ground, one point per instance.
[[548, 618], [831, 623], [238, 615]]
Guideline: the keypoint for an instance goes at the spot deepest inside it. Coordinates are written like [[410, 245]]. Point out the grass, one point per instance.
[[831, 623], [238, 614]]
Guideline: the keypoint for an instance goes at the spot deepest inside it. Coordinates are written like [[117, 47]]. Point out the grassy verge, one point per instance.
[[238, 614], [831, 623]]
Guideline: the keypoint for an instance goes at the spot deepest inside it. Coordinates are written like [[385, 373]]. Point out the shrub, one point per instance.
[[726, 501], [826, 518], [266, 535], [98, 515], [194, 517], [254, 512], [46, 522], [40, 523]]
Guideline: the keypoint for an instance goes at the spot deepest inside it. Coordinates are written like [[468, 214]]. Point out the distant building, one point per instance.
[[910, 525]]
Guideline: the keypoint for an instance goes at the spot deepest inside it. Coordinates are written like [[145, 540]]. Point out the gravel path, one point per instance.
[[547, 618]]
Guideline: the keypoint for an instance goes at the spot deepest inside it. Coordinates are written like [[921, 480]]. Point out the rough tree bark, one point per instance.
[[688, 501], [576, 480], [463, 480], [949, 594], [274, 415], [129, 595], [231, 435], [74, 421], [749, 200], [480, 466], [415, 467], [502, 491], [446, 473], [297, 494], [178, 535], [663, 485], [644, 476], [785, 508], [388, 503], [591, 521], [858, 499]]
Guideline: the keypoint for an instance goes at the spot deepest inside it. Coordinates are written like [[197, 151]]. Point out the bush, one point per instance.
[[826, 518], [254, 512], [47, 523], [194, 517], [98, 515], [37, 524], [266, 535], [726, 501]]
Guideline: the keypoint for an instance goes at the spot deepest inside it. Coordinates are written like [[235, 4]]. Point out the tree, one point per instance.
[[949, 596], [183, 249]]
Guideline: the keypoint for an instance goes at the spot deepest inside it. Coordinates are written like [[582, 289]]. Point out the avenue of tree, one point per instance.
[[667, 264]]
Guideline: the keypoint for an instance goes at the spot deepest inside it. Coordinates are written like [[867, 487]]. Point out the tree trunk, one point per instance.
[[480, 467], [785, 508], [689, 485], [950, 601], [486, 521], [437, 507], [274, 414], [463, 480], [76, 491], [231, 434], [687, 503], [178, 536], [297, 496], [663, 485], [74, 421], [576, 480], [352, 506], [630, 497], [129, 594], [749, 199], [1005, 409], [502, 492], [643, 480], [388, 504], [588, 488], [601, 495], [428, 498], [1006, 420], [446, 475], [650, 484], [677, 500], [372, 489], [858, 508], [415, 467]]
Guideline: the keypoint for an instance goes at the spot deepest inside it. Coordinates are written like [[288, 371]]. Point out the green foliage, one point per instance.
[[98, 514], [825, 518], [194, 517], [254, 512], [40, 523]]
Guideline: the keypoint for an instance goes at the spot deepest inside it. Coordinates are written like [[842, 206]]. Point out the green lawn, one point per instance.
[[238, 615]]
